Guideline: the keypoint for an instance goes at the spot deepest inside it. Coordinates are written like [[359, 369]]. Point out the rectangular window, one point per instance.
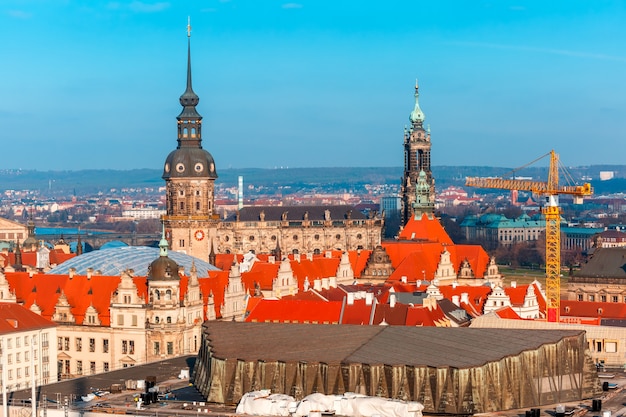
[[181, 243], [120, 320], [603, 298], [66, 343], [124, 346], [79, 344], [105, 346], [592, 298], [18, 342], [26, 356], [614, 299], [92, 345], [134, 320], [131, 347], [92, 367], [580, 297], [9, 343], [79, 367], [18, 357], [105, 366], [10, 373], [18, 373], [610, 347], [598, 346], [27, 371], [170, 348], [157, 348], [25, 340], [10, 358]]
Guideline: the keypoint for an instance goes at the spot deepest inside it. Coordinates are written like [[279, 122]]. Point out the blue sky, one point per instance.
[[312, 83]]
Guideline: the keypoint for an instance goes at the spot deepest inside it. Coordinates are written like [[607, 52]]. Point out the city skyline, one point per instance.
[[311, 83]]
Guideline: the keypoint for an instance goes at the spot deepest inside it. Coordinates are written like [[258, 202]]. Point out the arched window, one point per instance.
[[156, 320], [169, 320], [168, 294], [158, 294]]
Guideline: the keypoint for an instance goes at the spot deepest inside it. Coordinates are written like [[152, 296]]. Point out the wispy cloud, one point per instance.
[[564, 52], [19, 14], [139, 6], [292, 6]]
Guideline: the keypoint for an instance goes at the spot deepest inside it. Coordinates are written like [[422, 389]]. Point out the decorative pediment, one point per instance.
[[91, 317]]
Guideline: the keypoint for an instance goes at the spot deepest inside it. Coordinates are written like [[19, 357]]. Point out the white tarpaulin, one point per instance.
[[349, 405]]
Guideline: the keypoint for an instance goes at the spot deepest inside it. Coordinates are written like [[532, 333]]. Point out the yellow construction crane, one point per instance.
[[551, 191]]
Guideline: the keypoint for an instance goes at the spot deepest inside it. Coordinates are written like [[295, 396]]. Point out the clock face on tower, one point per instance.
[[199, 235]]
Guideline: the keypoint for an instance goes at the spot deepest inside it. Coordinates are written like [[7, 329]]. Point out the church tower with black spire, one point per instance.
[[189, 173], [416, 160]]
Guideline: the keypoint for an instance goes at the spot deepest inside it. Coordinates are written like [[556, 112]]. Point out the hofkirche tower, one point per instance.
[[416, 160], [189, 173]]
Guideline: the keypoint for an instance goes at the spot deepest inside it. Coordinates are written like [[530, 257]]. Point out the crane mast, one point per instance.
[[552, 213]]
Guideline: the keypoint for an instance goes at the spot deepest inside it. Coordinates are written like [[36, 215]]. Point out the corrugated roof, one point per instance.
[[391, 345]]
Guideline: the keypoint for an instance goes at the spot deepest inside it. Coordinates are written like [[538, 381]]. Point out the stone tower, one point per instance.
[[189, 173], [416, 159]]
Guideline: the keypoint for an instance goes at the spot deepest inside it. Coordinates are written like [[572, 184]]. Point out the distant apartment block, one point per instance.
[[143, 213]]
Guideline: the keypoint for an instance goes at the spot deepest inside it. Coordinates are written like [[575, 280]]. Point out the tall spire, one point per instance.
[[417, 115], [189, 121], [163, 243]]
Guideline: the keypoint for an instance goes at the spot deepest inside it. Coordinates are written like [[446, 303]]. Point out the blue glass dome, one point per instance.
[[114, 261]]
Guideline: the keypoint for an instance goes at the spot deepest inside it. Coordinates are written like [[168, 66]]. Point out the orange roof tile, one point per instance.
[[16, 318], [426, 230], [295, 311]]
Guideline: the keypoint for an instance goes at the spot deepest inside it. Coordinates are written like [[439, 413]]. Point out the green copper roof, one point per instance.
[[417, 115]]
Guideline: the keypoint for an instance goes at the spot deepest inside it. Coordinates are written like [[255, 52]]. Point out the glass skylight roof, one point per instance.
[[114, 261]]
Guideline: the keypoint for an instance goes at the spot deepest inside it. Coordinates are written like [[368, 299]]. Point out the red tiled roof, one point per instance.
[[507, 313], [295, 311], [592, 309], [16, 318], [425, 229]]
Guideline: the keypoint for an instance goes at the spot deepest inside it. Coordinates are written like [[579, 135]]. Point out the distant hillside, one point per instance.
[[94, 181]]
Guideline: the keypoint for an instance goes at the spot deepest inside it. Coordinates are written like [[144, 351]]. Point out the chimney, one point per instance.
[[309, 256], [332, 282], [71, 273], [296, 257], [455, 300], [513, 284], [329, 254], [350, 298], [465, 298], [404, 279], [271, 259], [325, 283], [369, 297], [317, 285], [392, 300], [89, 272], [455, 284]]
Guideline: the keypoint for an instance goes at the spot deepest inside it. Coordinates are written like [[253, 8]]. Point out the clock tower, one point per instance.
[[189, 173], [416, 163]]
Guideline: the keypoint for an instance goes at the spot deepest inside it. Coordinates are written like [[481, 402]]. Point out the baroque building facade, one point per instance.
[[193, 226]]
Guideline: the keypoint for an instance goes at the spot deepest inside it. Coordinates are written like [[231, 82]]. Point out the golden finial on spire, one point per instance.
[[188, 26]]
